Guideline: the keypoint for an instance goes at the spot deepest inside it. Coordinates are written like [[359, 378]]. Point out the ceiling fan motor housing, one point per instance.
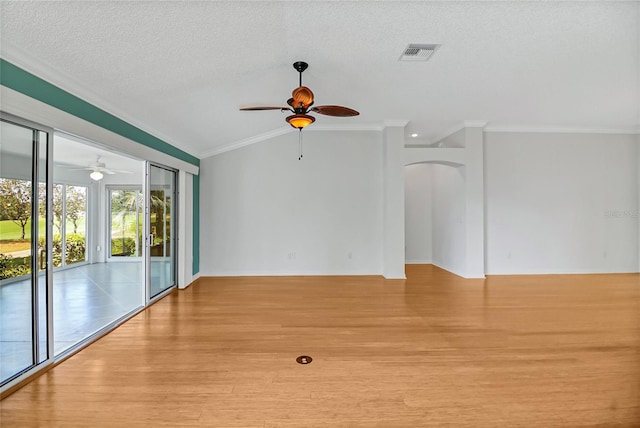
[[302, 97]]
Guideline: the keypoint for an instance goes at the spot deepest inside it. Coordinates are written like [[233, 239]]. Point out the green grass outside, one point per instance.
[[10, 231]]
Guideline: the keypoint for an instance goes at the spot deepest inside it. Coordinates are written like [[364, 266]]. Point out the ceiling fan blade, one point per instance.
[[117, 171], [263, 108], [338, 111]]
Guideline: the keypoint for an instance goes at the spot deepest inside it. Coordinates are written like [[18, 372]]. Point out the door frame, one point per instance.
[[148, 241], [35, 178]]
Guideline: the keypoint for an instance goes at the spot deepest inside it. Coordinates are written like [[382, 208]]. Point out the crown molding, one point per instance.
[[286, 129], [562, 130], [75, 88], [347, 127], [523, 129], [474, 123], [395, 123], [247, 141]]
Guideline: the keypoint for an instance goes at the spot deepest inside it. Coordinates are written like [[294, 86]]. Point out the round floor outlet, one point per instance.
[[304, 359]]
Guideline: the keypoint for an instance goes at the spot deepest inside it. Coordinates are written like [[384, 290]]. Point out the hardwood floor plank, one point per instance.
[[434, 350]]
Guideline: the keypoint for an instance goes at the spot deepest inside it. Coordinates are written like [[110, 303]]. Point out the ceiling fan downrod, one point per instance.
[[300, 66]]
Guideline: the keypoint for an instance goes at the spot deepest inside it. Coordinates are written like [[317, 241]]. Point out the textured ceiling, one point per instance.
[[181, 70]]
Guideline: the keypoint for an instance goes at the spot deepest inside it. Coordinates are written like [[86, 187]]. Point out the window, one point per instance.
[[69, 224]]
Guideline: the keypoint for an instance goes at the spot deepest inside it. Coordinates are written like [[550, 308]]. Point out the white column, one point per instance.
[[474, 183], [393, 200]]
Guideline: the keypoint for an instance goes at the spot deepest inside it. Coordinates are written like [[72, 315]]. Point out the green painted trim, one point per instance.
[[196, 225], [22, 81]]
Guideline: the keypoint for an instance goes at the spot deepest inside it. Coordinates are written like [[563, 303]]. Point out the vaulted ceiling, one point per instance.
[[181, 70]]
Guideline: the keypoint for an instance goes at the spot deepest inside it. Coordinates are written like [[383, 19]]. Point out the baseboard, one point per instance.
[[194, 280], [222, 273], [448, 269], [565, 272]]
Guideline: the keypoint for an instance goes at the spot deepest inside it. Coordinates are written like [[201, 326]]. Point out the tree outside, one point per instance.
[[126, 221], [15, 202], [76, 205]]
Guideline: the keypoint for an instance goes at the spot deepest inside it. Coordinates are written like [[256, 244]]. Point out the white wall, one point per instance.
[[449, 219], [554, 203], [561, 203], [264, 212], [418, 217]]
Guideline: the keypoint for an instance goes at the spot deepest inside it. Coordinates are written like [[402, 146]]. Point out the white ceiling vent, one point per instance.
[[415, 52]]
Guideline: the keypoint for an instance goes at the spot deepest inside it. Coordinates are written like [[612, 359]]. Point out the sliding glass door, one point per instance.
[[97, 230], [125, 228], [25, 259], [112, 242], [161, 260]]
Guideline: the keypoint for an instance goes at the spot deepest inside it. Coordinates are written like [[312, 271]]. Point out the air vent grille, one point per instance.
[[415, 52]]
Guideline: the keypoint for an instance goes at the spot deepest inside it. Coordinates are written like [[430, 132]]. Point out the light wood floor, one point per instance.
[[434, 350]]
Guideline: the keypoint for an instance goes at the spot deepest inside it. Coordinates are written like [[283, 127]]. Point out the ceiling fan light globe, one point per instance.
[[96, 175], [300, 121]]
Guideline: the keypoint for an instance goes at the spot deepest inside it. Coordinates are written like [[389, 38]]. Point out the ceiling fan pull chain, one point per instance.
[[300, 144]]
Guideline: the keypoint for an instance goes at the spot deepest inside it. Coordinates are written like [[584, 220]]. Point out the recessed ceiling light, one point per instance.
[[414, 135]]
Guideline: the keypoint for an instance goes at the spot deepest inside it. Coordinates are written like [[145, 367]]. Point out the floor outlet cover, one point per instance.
[[304, 359]]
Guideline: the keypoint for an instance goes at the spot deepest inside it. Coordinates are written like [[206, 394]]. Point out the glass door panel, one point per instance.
[[23, 255], [162, 218], [97, 232], [125, 232]]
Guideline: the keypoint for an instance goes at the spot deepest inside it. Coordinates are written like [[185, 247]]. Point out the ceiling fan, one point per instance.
[[300, 104], [98, 169]]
